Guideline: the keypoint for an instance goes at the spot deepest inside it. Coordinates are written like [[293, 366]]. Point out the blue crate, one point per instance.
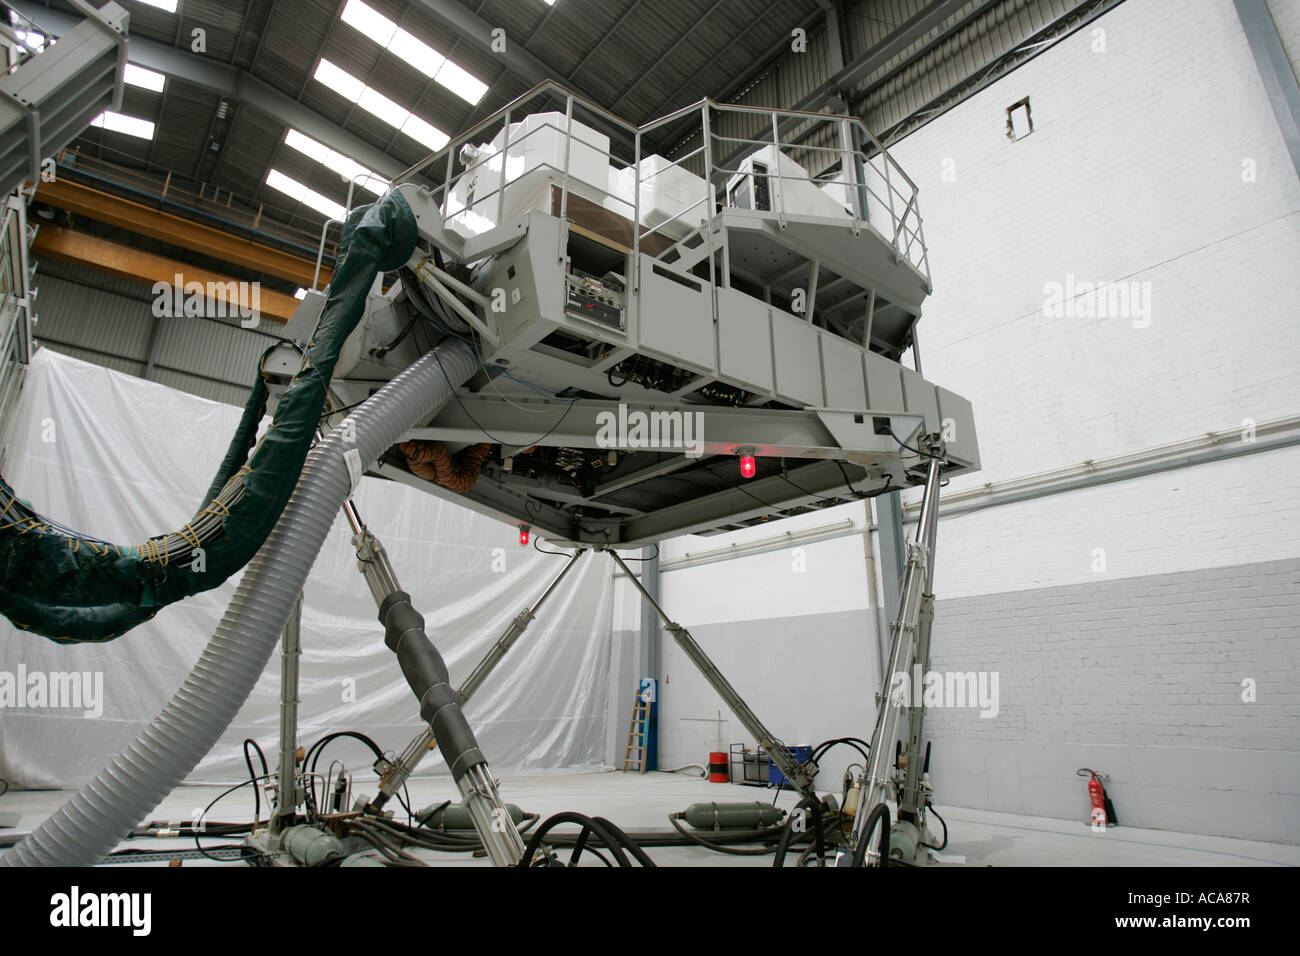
[[774, 775]]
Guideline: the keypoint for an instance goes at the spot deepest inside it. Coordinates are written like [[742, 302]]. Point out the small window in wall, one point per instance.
[[1020, 122]]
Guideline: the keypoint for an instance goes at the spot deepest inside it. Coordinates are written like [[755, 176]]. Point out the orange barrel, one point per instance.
[[718, 767]]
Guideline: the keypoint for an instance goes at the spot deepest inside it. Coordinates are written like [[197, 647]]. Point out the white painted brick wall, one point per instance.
[[1215, 515], [1133, 173]]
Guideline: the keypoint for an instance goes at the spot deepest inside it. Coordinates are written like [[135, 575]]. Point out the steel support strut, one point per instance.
[[909, 641], [396, 773], [425, 671], [288, 794], [800, 775]]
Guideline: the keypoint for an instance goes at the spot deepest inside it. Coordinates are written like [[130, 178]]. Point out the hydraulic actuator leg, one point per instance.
[[288, 794], [800, 775], [425, 671], [907, 626], [395, 775]]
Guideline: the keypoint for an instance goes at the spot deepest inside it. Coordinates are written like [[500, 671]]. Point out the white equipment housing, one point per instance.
[[730, 293]]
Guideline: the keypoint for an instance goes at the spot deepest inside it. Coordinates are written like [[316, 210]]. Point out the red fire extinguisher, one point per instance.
[[1103, 811]]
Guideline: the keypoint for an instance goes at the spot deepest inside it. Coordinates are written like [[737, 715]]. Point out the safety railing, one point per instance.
[[167, 192], [876, 191], [15, 302], [20, 37]]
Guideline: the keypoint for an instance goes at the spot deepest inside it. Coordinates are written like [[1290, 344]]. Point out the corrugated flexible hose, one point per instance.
[[87, 827], [429, 460]]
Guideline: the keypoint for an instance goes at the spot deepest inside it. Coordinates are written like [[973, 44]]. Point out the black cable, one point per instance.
[[674, 819], [538, 547], [689, 766], [944, 823], [314, 753], [344, 408], [252, 775], [5, 783], [316, 749], [848, 483], [879, 812], [488, 434], [199, 826], [383, 350], [600, 856], [915, 451], [815, 806], [856, 743], [609, 834]]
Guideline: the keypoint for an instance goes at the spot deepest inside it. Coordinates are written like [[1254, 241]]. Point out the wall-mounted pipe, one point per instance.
[[1092, 479]]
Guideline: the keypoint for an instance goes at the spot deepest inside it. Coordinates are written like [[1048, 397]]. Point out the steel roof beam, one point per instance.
[[231, 83]]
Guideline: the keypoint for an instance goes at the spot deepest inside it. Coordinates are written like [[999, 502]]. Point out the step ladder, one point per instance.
[[638, 736]]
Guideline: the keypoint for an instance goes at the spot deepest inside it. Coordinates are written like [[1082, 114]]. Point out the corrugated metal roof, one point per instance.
[[645, 57], [641, 58]]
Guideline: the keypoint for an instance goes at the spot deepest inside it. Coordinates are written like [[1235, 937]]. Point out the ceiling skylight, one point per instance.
[[373, 24], [371, 100], [121, 123], [348, 168], [308, 197], [148, 79]]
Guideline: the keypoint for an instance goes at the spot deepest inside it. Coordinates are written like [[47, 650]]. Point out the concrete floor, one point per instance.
[[976, 837]]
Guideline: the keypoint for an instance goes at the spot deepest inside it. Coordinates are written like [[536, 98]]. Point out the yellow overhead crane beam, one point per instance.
[[127, 263], [166, 227]]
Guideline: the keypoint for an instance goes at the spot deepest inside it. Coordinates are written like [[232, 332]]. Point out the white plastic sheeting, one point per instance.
[[121, 459]]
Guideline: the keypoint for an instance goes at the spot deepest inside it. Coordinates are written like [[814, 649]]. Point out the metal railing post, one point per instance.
[[564, 177], [446, 184], [707, 133], [850, 173], [505, 158], [320, 253], [774, 177], [635, 271], [568, 156]]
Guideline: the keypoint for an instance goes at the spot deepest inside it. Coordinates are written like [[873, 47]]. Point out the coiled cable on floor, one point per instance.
[[610, 836]]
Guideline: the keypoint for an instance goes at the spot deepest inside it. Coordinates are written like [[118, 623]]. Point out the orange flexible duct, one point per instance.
[[429, 460]]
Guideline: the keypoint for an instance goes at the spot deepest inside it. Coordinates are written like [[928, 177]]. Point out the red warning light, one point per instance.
[[523, 535], [748, 467]]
